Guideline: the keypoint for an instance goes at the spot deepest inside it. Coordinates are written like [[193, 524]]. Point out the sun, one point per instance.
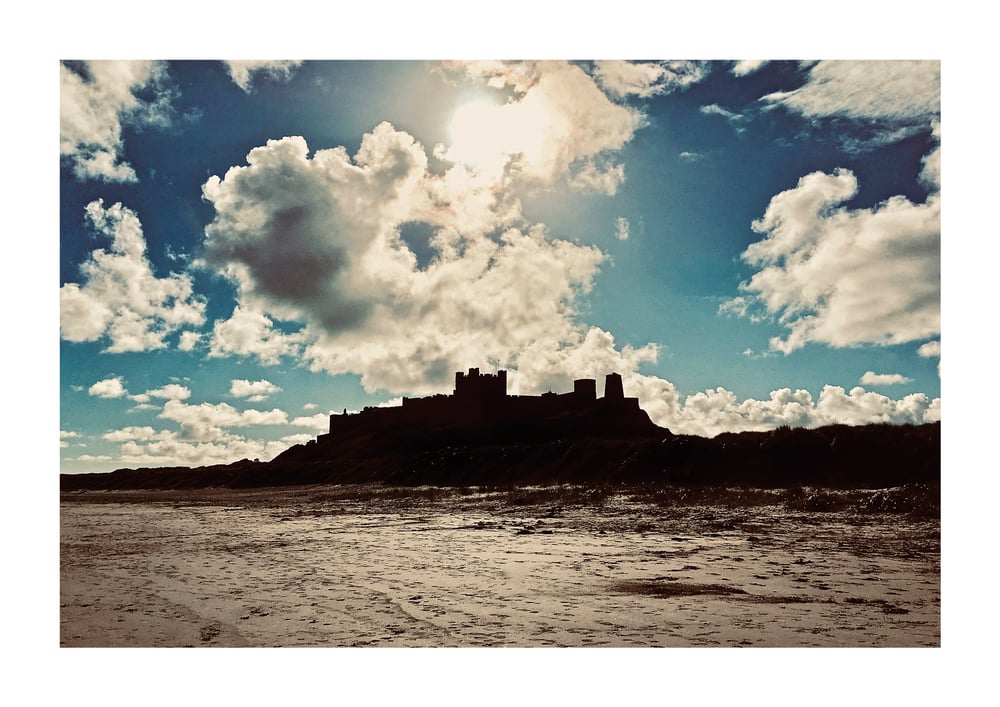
[[485, 135]]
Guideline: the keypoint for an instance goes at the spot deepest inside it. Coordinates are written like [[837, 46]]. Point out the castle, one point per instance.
[[480, 403]]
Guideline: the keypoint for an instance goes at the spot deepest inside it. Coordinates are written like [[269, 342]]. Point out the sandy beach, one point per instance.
[[372, 566]]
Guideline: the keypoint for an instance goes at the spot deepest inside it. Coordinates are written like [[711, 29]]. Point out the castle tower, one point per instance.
[[585, 389], [613, 389]]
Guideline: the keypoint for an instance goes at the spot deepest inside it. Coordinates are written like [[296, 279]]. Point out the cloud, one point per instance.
[[205, 422], [713, 412], [89, 458], [171, 391], [872, 378], [745, 67], [557, 125], [64, 435], [99, 98], [645, 79], [188, 340], [108, 388], [845, 277], [250, 333], [254, 391], [621, 228], [120, 298], [932, 349], [242, 72], [897, 92], [143, 434], [691, 156], [171, 450], [319, 422], [736, 120], [321, 246]]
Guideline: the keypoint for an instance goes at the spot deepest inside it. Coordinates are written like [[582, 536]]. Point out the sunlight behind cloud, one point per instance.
[[485, 135]]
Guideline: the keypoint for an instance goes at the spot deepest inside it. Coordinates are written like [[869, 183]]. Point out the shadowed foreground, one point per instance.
[[552, 566]]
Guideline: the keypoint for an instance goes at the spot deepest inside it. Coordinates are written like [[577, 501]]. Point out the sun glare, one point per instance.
[[485, 135]]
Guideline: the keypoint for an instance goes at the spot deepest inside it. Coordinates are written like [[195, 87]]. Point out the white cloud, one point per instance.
[[120, 298], [175, 451], [691, 156], [250, 333], [557, 124], [89, 458], [932, 349], [108, 388], [188, 340], [253, 391], [241, 72], [171, 391], [713, 412], [872, 378], [66, 434], [736, 120], [144, 433], [894, 91], [310, 406], [97, 99], [319, 422], [603, 179], [301, 438], [368, 308], [748, 66], [205, 422], [845, 277], [621, 228], [645, 79]]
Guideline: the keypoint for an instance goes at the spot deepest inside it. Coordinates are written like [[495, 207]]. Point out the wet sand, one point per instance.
[[425, 567]]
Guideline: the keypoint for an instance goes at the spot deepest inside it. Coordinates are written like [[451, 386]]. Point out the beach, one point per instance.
[[564, 566]]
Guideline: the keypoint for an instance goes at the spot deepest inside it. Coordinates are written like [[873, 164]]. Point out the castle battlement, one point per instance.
[[480, 400]]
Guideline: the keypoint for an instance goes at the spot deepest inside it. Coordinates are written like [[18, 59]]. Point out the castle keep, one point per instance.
[[480, 403]]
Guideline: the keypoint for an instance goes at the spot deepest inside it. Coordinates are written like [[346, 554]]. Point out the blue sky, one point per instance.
[[247, 246]]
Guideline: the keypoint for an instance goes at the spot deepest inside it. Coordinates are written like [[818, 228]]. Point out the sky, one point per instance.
[[247, 246]]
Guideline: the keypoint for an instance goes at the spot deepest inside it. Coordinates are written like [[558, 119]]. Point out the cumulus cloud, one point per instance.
[[253, 391], [251, 333], [321, 245], [319, 422], [898, 92], [66, 434], [621, 228], [188, 340], [121, 299], [108, 388], [242, 72], [173, 450], [845, 277], [745, 67], [206, 422], [99, 98], [691, 156], [171, 391], [872, 378], [713, 412], [932, 349], [645, 79]]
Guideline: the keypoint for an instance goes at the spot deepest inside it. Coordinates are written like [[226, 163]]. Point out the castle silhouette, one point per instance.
[[480, 403]]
